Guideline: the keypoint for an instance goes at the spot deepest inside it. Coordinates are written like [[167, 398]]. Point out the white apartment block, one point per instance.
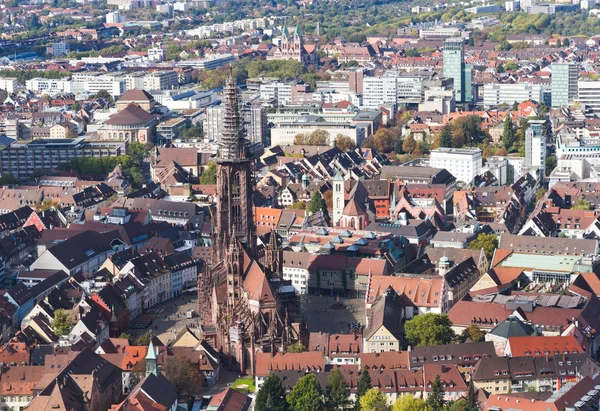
[[588, 94], [386, 90], [496, 94], [295, 269], [285, 133], [8, 84], [161, 80], [48, 86], [157, 54], [462, 163], [282, 92]]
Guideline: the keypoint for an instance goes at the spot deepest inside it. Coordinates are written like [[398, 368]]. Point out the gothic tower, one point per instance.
[[272, 258], [234, 180]]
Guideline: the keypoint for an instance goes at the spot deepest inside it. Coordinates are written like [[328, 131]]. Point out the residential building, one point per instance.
[[285, 133], [456, 69], [170, 129], [588, 94], [8, 84], [161, 80], [22, 158], [495, 94], [564, 83], [385, 330], [462, 163], [535, 146]]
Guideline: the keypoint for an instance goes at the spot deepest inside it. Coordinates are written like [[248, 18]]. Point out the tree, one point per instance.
[[410, 403], [581, 204], [409, 144], [298, 205], [144, 339], [511, 66], [184, 375], [344, 143], [384, 140], [550, 164], [436, 397], [364, 385], [428, 329], [471, 42], [489, 243], [540, 194], [316, 138], [508, 135], [373, 400], [317, 203], [271, 393], [473, 332], [8, 179], [306, 395], [127, 337], [566, 42], [75, 107], [62, 323], [446, 136], [337, 391], [462, 405], [103, 94], [209, 176], [296, 348]]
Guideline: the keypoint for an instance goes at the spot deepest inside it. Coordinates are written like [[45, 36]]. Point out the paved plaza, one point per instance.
[[321, 316]]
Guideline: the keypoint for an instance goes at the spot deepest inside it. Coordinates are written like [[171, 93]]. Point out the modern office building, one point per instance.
[[564, 83], [22, 159], [456, 69], [391, 89], [535, 146], [463, 163], [255, 121], [588, 94], [495, 94]]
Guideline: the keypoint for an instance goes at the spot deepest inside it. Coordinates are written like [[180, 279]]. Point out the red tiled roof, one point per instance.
[[539, 346], [267, 362]]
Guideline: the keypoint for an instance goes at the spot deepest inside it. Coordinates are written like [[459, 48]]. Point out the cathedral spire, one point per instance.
[[232, 142]]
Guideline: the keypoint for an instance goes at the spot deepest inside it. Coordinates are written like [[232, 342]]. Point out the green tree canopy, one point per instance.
[[144, 339], [473, 332], [508, 134], [297, 347], [462, 405], [184, 375], [373, 400], [446, 136], [428, 329], [62, 322], [410, 403], [209, 176], [271, 393], [337, 391], [8, 179], [581, 204], [306, 395], [489, 243], [436, 397], [364, 385]]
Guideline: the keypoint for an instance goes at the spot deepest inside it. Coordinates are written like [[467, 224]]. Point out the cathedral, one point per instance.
[[292, 47], [237, 301]]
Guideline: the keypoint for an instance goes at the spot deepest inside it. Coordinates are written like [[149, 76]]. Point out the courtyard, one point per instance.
[[321, 316], [168, 319]]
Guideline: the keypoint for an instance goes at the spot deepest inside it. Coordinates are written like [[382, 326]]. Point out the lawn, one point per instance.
[[245, 385]]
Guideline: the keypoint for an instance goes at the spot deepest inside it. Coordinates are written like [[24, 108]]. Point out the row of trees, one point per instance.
[[307, 395], [131, 163]]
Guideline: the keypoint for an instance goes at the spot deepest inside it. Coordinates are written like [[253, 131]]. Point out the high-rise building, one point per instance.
[[462, 163], [455, 68], [564, 83], [535, 146]]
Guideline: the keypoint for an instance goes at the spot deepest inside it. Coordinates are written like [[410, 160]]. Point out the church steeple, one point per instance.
[[151, 361], [234, 180], [232, 142]]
